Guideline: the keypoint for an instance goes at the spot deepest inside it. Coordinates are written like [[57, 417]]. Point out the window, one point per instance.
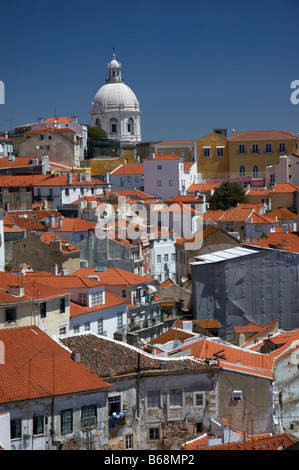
[[100, 326], [237, 395], [159, 167], [88, 416], [76, 328], [87, 326], [66, 420], [119, 321], [82, 299], [242, 170], [154, 434], [172, 257], [43, 310], [175, 397], [153, 399], [170, 182], [16, 429], [159, 183], [158, 258], [67, 192], [182, 153], [207, 152], [255, 148], [62, 305], [38, 425], [220, 151], [10, 315], [229, 226], [122, 180], [268, 148], [255, 171], [114, 404], [124, 293], [282, 147], [129, 441], [165, 258], [41, 137], [199, 399], [113, 128], [97, 298], [62, 330], [242, 149]]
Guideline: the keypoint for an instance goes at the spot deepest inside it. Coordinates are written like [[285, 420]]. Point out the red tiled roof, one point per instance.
[[202, 187], [115, 276], [33, 290], [285, 241], [261, 219], [256, 442], [176, 142], [186, 199], [45, 180], [236, 358], [111, 300], [69, 281], [172, 335], [163, 157], [128, 169], [66, 247], [57, 119], [130, 192], [235, 214], [284, 188], [74, 224], [28, 374], [17, 162], [282, 214], [261, 135], [213, 214]]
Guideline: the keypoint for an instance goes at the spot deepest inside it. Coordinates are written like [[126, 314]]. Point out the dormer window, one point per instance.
[[97, 298]]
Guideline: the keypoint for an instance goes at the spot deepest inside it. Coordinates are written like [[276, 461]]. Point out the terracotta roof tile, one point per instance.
[[115, 277], [236, 358], [158, 157], [111, 300], [30, 347], [259, 442], [129, 169], [261, 135]]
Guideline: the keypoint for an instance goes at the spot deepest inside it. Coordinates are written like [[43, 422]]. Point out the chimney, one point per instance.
[[70, 178], [76, 356], [51, 220], [74, 118], [39, 120], [16, 289], [54, 269]]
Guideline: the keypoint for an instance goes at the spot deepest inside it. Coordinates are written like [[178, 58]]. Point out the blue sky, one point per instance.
[[193, 65]]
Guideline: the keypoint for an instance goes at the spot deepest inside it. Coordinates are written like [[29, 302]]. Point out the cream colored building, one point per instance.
[[25, 302]]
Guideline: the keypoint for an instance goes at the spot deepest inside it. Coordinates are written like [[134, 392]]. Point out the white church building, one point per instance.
[[115, 108]]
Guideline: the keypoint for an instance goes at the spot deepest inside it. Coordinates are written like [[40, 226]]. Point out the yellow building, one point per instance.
[[250, 152], [185, 149], [213, 155]]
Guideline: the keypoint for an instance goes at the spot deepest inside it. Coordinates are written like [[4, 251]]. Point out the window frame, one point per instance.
[[91, 416]]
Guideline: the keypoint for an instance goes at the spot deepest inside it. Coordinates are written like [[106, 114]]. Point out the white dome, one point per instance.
[[115, 94]]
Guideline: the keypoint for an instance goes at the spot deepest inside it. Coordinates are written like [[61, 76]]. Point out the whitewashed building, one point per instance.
[[166, 176]]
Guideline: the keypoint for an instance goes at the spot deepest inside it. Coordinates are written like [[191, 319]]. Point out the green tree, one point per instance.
[[227, 195], [96, 133]]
